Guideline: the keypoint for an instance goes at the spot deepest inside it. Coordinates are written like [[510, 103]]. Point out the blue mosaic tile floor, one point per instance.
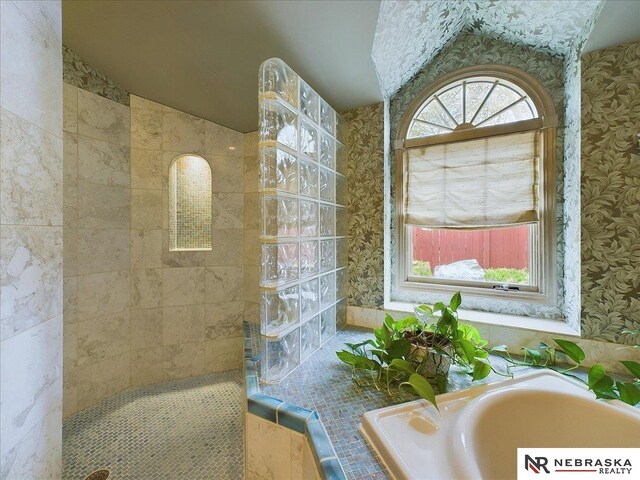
[[324, 384], [182, 429]]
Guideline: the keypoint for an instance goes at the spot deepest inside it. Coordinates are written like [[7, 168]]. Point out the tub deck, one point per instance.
[[323, 383]]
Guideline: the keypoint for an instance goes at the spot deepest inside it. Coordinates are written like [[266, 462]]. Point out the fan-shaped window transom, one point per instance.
[[471, 103]]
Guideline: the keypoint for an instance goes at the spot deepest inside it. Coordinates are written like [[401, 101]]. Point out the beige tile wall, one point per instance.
[[192, 300], [273, 452], [31, 235], [251, 246], [138, 313], [97, 216]]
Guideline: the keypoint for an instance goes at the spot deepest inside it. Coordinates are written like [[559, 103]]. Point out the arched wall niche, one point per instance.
[[189, 204]]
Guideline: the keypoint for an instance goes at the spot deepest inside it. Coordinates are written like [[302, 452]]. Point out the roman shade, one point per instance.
[[486, 182]]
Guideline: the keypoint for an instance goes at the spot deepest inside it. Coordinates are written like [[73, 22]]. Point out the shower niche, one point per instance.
[[302, 186], [189, 204]]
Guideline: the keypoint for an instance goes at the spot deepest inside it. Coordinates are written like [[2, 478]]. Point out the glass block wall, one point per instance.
[[303, 191]]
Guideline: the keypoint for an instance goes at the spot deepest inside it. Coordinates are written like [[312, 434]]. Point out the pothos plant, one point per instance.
[[597, 380], [402, 351]]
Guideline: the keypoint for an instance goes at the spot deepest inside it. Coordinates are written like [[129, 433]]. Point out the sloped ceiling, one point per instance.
[[617, 24], [202, 57], [409, 34]]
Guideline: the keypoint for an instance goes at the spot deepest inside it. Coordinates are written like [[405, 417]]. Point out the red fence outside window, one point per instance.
[[495, 248]]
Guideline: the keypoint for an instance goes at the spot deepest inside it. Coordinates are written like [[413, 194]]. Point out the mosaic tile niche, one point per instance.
[[303, 190], [190, 204]]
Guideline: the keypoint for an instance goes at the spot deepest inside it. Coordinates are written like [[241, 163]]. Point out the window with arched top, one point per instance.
[[474, 186], [470, 103], [189, 204]]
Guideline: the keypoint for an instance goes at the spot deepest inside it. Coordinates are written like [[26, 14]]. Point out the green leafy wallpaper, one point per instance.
[[410, 34], [610, 190], [365, 138], [77, 72], [610, 193]]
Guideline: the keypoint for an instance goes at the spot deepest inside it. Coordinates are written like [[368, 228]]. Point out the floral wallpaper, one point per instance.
[[77, 72], [365, 138], [550, 26], [472, 49], [611, 193], [409, 34], [569, 289], [571, 174]]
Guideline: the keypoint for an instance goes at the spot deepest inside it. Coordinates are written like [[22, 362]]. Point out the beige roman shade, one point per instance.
[[487, 182]]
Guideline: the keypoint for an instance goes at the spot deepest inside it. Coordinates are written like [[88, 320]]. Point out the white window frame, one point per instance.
[[542, 240]]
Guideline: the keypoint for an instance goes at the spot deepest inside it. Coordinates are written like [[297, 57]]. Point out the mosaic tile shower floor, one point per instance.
[[182, 429]]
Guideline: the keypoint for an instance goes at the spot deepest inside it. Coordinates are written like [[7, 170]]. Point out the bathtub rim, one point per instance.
[[468, 420], [398, 468]]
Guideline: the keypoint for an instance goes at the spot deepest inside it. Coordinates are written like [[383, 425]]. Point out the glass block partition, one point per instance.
[[303, 190]]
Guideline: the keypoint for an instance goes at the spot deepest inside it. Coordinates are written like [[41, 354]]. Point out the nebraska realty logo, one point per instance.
[[583, 463]]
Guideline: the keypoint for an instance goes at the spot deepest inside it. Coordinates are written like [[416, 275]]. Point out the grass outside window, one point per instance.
[[497, 275]]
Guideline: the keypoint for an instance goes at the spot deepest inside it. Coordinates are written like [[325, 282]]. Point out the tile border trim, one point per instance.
[[288, 415]]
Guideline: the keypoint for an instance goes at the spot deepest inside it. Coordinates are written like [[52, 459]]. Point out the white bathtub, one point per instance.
[[477, 431]]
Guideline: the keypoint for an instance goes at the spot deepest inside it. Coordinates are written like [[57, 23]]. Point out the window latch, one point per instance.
[[506, 288]]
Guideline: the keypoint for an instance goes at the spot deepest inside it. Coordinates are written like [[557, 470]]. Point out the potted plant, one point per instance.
[[431, 354], [417, 351]]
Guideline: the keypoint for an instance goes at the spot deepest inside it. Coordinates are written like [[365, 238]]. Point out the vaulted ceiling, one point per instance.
[[202, 57], [409, 34], [618, 23]]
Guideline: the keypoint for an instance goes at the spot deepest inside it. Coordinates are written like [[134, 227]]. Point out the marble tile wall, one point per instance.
[[31, 278], [137, 312], [97, 216], [251, 254], [274, 452], [191, 301]]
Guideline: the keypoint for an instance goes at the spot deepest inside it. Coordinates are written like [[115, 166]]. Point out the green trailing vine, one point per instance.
[[395, 359], [603, 385]]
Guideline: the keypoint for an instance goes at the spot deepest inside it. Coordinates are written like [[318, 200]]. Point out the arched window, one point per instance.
[[189, 203], [474, 186], [470, 103]]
